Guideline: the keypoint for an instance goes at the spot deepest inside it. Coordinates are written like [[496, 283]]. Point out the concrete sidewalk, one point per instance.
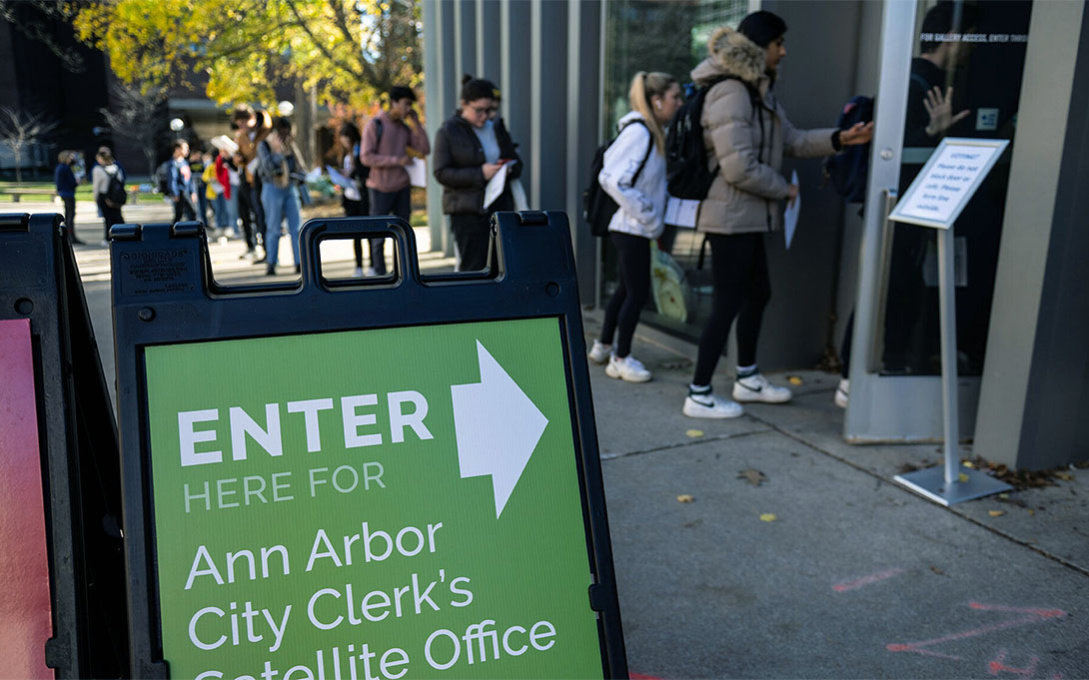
[[855, 577]]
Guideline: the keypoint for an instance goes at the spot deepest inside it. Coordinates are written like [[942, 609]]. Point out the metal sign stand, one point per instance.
[[951, 483], [935, 199], [331, 384]]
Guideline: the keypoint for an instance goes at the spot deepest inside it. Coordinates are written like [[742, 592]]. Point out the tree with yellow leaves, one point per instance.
[[347, 50]]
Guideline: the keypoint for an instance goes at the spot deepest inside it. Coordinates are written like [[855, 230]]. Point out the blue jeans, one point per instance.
[[219, 207], [232, 210], [280, 204], [396, 203]]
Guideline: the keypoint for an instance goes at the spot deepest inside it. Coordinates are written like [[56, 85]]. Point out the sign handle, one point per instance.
[[315, 231]]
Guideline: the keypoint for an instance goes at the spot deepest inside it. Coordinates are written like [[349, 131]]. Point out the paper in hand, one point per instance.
[[681, 212], [338, 178], [495, 186], [790, 214], [417, 172]]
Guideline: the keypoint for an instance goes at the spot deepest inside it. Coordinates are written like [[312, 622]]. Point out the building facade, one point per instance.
[[1022, 326]]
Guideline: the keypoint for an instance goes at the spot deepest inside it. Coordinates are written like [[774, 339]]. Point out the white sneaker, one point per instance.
[[600, 353], [711, 406], [369, 271], [358, 273], [842, 392], [757, 388], [628, 369]]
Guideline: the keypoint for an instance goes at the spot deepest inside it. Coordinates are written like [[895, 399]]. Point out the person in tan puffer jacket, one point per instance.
[[746, 134]]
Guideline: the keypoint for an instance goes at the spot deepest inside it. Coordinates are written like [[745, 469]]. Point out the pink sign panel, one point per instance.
[[26, 620]]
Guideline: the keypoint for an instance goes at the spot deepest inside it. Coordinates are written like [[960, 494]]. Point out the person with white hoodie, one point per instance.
[[634, 175]]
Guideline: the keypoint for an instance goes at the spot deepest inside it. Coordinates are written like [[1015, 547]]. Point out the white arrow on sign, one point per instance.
[[497, 426]]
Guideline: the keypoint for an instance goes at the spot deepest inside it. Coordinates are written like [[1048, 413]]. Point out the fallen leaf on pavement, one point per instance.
[[685, 498], [1031, 512], [795, 380], [694, 433], [996, 513], [937, 571], [753, 476], [968, 464], [768, 517], [1066, 476], [963, 478]]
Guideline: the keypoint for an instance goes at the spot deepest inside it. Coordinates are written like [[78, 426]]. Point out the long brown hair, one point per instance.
[[644, 86]]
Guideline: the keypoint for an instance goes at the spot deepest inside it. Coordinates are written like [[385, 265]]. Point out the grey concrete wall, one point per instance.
[[1035, 391]]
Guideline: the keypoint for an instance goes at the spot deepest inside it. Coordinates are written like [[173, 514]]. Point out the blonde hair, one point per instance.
[[644, 86]]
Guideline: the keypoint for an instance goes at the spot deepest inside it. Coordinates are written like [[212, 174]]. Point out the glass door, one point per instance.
[[948, 69]]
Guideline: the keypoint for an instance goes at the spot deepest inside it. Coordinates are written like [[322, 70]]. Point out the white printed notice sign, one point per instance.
[[947, 181]]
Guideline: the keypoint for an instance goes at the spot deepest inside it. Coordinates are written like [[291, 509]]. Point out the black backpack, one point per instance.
[[687, 175], [847, 170], [598, 207], [116, 196], [162, 177]]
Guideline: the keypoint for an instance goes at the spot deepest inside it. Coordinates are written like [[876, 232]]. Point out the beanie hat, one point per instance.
[[762, 27]]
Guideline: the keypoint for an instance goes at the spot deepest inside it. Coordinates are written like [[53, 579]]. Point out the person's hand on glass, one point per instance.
[[940, 110], [859, 133]]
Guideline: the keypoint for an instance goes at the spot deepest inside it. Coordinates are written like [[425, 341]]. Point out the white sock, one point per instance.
[[746, 371]]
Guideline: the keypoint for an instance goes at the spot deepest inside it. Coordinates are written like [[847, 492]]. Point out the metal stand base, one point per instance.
[[931, 484]]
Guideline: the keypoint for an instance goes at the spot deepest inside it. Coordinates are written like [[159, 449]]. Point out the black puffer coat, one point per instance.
[[458, 158]]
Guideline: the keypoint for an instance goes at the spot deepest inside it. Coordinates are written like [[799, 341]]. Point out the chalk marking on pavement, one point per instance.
[[1034, 616], [866, 580], [998, 665]]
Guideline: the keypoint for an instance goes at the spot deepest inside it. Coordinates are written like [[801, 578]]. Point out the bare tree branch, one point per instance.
[[138, 116], [19, 129]]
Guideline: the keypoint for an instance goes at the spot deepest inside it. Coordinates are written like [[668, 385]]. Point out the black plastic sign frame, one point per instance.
[[172, 320], [39, 281]]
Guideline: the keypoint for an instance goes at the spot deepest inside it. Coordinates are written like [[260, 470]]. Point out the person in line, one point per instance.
[[641, 201], [390, 140], [470, 148], [746, 133], [354, 199], [215, 193], [200, 188], [182, 191], [251, 128], [65, 180], [277, 160], [105, 169]]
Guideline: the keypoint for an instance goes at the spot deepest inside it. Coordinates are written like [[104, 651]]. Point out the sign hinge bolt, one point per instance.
[[146, 314]]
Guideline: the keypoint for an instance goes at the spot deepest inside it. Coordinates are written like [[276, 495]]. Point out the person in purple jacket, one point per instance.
[[390, 142]]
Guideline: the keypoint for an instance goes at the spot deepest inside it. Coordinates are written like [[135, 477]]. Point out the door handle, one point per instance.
[[889, 196]]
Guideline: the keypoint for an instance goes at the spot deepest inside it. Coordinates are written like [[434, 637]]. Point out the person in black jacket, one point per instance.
[[354, 198], [471, 146]]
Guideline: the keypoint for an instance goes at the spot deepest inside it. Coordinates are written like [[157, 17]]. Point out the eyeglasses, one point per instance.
[[489, 110]]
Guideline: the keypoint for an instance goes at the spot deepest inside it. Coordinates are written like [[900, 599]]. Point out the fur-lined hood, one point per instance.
[[733, 53]]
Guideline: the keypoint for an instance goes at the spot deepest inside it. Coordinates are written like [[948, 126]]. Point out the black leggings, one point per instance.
[[622, 312], [739, 269]]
